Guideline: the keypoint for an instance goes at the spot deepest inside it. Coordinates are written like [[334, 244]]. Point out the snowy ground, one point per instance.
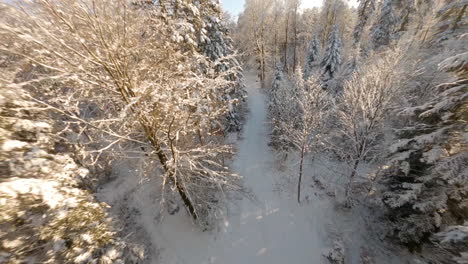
[[272, 228]]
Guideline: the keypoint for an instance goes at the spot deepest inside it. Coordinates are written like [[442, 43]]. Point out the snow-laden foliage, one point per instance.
[[336, 254], [331, 61], [455, 237], [279, 108], [425, 184], [365, 11], [307, 107], [46, 216], [302, 127], [312, 58], [384, 27], [218, 46], [363, 107], [274, 92], [200, 28], [430, 167], [451, 20], [418, 197], [454, 234], [118, 83]]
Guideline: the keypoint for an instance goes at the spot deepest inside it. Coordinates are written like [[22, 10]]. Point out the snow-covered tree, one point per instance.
[[335, 254], [218, 46], [273, 93], [425, 183], [254, 26], [365, 13], [161, 93], [332, 58], [279, 109], [384, 27], [456, 238], [365, 10], [362, 110], [302, 129], [312, 57], [334, 13], [46, 215], [427, 178]]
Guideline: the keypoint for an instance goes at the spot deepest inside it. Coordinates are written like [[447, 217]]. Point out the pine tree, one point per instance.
[[277, 80], [425, 184], [312, 57], [217, 45], [384, 27], [365, 10], [279, 108], [332, 59]]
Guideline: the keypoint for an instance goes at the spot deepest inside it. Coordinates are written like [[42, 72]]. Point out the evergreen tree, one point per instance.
[[198, 28], [312, 57], [365, 10], [425, 184], [279, 108], [274, 91], [217, 45], [332, 59], [384, 27]]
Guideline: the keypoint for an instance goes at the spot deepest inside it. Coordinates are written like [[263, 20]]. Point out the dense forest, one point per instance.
[[170, 131], [381, 86]]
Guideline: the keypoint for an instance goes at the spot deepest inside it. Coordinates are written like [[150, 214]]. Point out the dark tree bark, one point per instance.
[[286, 44], [295, 35], [300, 174]]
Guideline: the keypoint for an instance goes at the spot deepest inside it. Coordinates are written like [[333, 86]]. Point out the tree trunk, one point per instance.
[[286, 45], [263, 65], [300, 174], [127, 92], [295, 36], [349, 186], [325, 30], [275, 49], [180, 189]]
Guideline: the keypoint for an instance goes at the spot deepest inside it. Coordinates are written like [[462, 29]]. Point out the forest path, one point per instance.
[[270, 229]]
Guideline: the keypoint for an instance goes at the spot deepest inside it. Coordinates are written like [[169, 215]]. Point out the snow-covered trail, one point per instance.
[[272, 229]]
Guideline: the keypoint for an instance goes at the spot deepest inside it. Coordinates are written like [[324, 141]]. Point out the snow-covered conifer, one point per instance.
[[312, 57], [332, 58], [365, 10], [429, 169], [456, 238], [279, 108], [273, 93], [383, 29], [424, 185], [217, 45]]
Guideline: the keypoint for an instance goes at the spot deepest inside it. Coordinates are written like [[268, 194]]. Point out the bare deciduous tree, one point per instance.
[[302, 129], [361, 112], [139, 70]]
